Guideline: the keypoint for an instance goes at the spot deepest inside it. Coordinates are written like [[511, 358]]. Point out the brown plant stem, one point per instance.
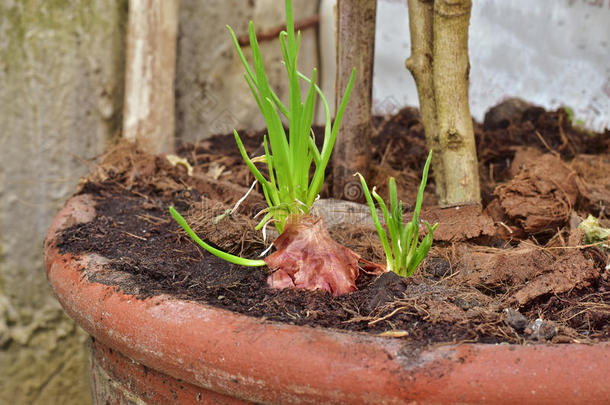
[[273, 33], [420, 65], [440, 66], [355, 49]]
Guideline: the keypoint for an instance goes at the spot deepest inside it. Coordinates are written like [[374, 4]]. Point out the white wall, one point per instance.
[[549, 52]]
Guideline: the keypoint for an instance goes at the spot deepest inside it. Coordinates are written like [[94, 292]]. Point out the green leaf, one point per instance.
[[422, 250], [392, 229], [382, 235], [329, 139], [405, 253], [216, 252]]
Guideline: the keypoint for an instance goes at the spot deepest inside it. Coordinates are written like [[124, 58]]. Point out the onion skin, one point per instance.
[[307, 257]]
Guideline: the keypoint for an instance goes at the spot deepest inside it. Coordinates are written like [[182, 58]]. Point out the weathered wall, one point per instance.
[[61, 84], [61, 97], [211, 93]]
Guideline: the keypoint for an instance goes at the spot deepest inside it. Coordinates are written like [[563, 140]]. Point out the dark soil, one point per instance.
[[514, 270]]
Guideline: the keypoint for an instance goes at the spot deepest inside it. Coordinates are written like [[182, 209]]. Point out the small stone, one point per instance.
[[515, 319], [541, 330], [502, 114], [547, 331]]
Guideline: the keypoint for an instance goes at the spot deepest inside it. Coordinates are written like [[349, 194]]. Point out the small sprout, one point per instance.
[[222, 216], [569, 112], [403, 250], [577, 122], [594, 233]]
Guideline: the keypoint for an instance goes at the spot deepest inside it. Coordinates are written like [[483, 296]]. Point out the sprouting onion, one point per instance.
[[290, 190], [403, 250]]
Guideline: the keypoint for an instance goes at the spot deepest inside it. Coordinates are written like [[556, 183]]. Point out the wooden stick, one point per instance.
[[355, 49], [419, 63], [439, 64], [148, 115], [451, 68]]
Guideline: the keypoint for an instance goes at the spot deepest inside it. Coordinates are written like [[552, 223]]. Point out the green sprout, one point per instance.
[[288, 190], [403, 251], [594, 233], [572, 117]]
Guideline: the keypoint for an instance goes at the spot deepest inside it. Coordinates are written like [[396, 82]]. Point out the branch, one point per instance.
[[419, 63], [355, 49], [148, 113], [273, 33], [451, 69]]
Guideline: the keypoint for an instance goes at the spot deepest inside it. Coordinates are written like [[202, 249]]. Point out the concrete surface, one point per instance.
[[61, 89]]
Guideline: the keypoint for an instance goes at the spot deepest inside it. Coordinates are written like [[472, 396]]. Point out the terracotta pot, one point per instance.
[[164, 350]]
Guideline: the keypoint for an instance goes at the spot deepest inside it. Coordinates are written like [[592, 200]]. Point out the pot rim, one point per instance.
[[270, 362]]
